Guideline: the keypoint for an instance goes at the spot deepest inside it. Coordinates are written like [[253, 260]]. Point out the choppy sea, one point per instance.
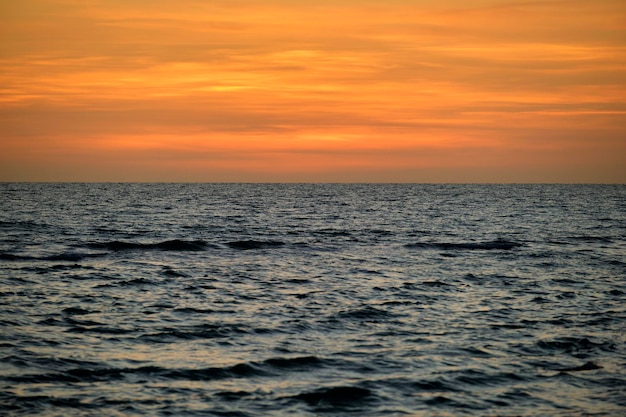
[[312, 299]]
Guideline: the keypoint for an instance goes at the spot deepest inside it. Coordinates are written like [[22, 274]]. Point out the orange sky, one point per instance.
[[295, 90]]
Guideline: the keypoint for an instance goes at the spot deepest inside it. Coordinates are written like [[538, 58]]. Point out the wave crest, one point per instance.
[[490, 245]]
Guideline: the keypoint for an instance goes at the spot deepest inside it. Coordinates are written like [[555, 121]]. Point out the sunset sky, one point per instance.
[[313, 91]]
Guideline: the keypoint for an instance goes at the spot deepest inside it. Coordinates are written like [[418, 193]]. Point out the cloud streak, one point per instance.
[[345, 88]]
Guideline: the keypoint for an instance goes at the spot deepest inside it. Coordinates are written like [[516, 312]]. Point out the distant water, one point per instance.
[[272, 300]]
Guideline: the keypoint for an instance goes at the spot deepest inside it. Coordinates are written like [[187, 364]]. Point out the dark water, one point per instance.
[[268, 300]]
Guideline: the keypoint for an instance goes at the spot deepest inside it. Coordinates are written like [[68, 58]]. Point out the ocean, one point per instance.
[[312, 299]]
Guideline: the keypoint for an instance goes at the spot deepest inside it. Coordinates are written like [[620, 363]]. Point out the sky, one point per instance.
[[494, 91]]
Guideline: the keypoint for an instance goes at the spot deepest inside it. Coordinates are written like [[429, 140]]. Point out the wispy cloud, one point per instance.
[[342, 87]]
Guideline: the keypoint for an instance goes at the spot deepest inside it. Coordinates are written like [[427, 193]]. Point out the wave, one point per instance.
[[341, 396], [203, 331], [592, 239], [23, 224], [475, 378], [490, 245], [254, 244], [433, 385], [578, 347], [303, 362], [192, 310], [115, 246], [333, 232], [178, 245], [168, 245], [75, 311], [61, 257], [587, 366], [90, 374], [169, 272], [366, 314], [102, 330]]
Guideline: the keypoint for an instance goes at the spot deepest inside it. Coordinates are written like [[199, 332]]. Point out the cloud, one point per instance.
[[319, 79]]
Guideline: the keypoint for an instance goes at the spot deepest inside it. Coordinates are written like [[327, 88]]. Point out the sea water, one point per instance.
[[312, 299]]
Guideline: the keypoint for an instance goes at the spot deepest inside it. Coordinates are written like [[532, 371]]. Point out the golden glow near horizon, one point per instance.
[[287, 90]]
